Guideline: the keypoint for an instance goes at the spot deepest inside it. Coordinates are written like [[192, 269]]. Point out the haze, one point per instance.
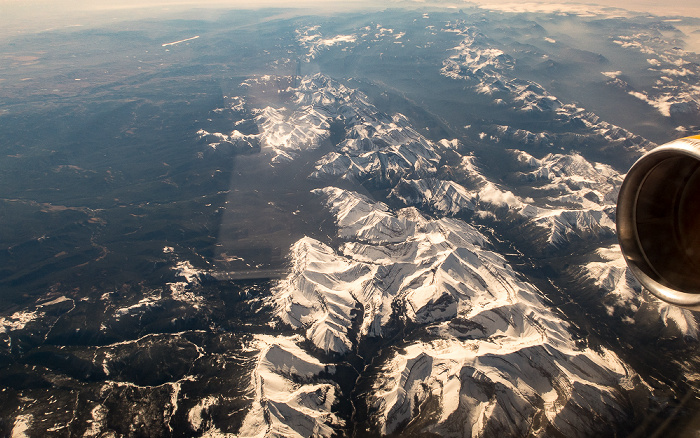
[[19, 17]]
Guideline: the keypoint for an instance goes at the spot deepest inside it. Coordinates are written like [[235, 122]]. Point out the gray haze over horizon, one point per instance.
[[19, 17]]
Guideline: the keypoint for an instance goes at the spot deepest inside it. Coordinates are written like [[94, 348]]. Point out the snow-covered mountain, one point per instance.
[[623, 292], [489, 71], [495, 356]]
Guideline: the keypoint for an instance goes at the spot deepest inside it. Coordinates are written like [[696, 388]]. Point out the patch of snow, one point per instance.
[[611, 74], [58, 300], [683, 319], [17, 321], [311, 39], [661, 103], [194, 415], [98, 415], [21, 426], [338, 39], [143, 305]]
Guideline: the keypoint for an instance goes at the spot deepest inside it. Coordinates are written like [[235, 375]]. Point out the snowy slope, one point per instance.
[[575, 198], [445, 197], [289, 401], [379, 148], [563, 226], [503, 382]]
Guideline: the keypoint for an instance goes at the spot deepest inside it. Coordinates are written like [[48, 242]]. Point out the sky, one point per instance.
[[26, 16]]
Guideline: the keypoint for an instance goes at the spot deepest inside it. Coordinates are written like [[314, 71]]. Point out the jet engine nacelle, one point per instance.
[[658, 221]]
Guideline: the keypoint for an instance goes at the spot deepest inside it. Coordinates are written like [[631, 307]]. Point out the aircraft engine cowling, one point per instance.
[[658, 221]]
